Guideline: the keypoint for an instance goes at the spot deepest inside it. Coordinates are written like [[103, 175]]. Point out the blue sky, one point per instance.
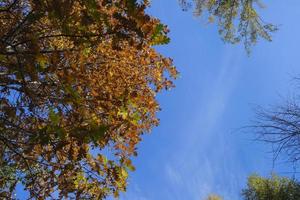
[[197, 149]]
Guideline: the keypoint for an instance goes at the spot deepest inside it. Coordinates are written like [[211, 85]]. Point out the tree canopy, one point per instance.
[[271, 188], [238, 20], [213, 197], [275, 188], [78, 82]]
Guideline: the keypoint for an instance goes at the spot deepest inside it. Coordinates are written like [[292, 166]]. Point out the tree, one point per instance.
[[78, 80], [238, 20], [275, 188], [213, 197], [280, 127]]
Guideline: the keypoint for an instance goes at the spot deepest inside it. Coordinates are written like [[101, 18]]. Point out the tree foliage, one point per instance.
[[275, 188], [78, 80], [238, 20], [213, 197]]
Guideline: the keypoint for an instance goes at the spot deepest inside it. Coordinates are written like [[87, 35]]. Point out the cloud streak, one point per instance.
[[202, 164]]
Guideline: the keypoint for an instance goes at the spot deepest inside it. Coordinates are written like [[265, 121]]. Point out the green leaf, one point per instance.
[[54, 117], [86, 51], [136, 118], [2, 57], [98, 133], [158, 29], [123, 113], [73, 93], [124, 172], [131, 5], [159, 36], [92, 9], [41, 61], [130, 167], [60, 132], [105, 160]]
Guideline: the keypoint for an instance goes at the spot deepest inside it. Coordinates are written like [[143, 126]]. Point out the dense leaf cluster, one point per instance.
[[275, 188], [78, 83]]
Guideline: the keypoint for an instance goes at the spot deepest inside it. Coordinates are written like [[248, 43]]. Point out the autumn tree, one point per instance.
[[238, 20], [273, 188], [213, 197], [78, 82]]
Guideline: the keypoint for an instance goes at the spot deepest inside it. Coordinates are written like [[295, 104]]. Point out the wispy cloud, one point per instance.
[[202, 164]]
